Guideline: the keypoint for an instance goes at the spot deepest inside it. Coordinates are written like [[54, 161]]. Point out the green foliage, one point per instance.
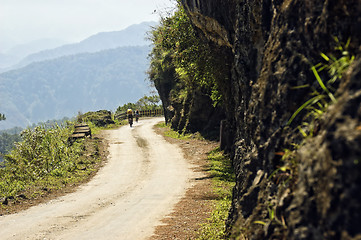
[[99, 118], [223, 182], [322, 96], [51, 123], [162, 125], [336, 65], [43, 159], [151, 102], [214, 229], [221, 167], [173, 134], [125, 107], [148, 102], [181, 60], [176, 135], [321, 99], [2, 117], [286, 174]]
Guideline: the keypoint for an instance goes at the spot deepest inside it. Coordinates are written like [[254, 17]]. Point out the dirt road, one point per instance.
[[143, 179]]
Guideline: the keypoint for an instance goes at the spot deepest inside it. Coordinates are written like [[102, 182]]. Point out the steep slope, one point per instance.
[[62, 87], [273, 44]]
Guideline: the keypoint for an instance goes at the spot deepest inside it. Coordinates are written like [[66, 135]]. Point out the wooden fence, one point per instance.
[[143, 113]]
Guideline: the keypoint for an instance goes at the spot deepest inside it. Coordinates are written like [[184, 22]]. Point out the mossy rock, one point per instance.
[[100, 118]]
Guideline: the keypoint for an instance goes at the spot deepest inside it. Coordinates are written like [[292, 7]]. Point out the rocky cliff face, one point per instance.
[[273, 44]]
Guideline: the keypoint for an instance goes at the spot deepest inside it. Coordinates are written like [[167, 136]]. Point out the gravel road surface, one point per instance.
[[144, 178]]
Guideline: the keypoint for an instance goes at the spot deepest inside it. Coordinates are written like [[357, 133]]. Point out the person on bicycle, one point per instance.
[[136, 115], [130, 117]]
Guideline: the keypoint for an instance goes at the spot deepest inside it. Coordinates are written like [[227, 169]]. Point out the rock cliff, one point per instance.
[[271, 46]]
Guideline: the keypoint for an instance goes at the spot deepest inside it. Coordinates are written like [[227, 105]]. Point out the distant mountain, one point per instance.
[[135, 35], [17, 53], [6, 61], [61, 87], [23, 50]]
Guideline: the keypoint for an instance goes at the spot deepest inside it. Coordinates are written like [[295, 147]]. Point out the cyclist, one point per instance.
[[136, 115], [130, 117]]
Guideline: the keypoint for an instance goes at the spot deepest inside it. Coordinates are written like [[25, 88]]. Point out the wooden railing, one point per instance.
[[81, 130], [143, 113]]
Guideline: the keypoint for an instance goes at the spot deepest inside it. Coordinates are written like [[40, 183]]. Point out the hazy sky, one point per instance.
[[22, 21]]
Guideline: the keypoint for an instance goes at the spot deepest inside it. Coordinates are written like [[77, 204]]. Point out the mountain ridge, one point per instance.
[[134, 35], [61, 87]]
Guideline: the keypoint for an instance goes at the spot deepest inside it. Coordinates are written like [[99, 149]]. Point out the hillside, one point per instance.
[[61, 87], [12, 56], [134, 35], [291, 125]]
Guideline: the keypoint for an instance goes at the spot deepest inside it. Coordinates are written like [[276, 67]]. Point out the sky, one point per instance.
[[23, 21]]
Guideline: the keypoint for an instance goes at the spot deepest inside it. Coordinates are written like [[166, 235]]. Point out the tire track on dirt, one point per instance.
[[142, 180]]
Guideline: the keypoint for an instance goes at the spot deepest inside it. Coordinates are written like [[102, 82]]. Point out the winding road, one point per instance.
[[143, 179]]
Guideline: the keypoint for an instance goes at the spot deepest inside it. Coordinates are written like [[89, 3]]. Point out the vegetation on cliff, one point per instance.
[[296, 155], [186, 73]]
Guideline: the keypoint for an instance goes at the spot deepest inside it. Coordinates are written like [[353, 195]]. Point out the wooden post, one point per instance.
[[223, 134]]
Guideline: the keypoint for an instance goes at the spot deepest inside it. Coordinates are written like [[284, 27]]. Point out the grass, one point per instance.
[[223, 179], [44, 161], [322, 99], [96, 130], [176, 135], [173, 134]]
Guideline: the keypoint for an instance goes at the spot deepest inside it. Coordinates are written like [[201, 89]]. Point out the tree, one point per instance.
[[181, 60], [125, 107], [148, 102], [145, 103], [2, 117]]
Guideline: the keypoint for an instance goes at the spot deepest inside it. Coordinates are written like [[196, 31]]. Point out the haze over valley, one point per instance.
[[103, 71]]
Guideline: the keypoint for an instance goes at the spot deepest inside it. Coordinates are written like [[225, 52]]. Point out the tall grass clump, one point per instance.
[[323, 96], [43, 159]]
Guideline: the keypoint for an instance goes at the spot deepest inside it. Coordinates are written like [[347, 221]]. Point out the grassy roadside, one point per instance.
[[221, 172], [223, 180], [44, 165]]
